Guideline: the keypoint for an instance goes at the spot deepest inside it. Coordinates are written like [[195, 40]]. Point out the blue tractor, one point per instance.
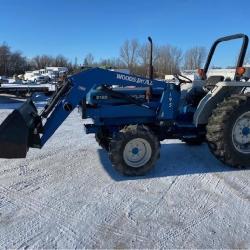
[[131, 115]]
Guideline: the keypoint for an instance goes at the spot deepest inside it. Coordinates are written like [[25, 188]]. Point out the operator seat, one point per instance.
[[212, 81], [198, 91]]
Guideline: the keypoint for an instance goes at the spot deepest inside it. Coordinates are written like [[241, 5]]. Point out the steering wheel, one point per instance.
[[179, 78]]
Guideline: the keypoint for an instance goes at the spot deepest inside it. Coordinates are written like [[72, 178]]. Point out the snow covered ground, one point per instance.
[[67, 195]]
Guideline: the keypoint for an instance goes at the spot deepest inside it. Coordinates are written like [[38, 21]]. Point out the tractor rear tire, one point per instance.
[[134, 150], [228, 131]]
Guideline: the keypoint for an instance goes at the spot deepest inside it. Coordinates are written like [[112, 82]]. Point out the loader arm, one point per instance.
[[79, 85], [72, 93]]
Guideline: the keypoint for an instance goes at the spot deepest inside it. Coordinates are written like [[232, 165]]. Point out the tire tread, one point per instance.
[[216, 125]]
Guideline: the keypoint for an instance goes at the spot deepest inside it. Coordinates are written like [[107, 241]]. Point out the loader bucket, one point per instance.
[[17, 131]]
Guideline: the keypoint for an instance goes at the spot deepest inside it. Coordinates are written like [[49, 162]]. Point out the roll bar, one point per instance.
[[228, 38]]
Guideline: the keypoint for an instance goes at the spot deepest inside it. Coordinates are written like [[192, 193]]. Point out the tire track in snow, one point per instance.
[[173, 234], [113, 216], [203, 197], [201, 206], [165, 192], [31, 204], [36, 206], [200, 200], [235, 186]]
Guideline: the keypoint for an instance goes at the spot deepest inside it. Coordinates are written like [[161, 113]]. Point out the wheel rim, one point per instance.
[[137, 152], [241, 133]]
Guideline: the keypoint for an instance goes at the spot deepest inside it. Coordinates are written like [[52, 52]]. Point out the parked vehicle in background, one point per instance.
[[52, 75], [42, 71], [37, 78], [45, 75], [28, 75], [21, 77], [56, 69], [3, 80], [55, 72]]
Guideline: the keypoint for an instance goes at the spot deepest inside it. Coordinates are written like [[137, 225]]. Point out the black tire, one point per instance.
[[102, 139], [220, 131], [119, 142]]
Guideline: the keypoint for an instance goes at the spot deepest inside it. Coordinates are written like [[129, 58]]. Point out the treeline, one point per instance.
[[14, 63], [167, 59], [134, 56]]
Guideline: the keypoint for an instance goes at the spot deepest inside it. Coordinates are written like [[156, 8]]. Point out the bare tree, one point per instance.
[[4, 59], [176, 57], [143, 54], [60, 61], [40, 62], [11, 62], [135, 57], [110, 63], [168, 60], [194, 58], [17, 63], [88, 60], [144, 57], [129, 53]]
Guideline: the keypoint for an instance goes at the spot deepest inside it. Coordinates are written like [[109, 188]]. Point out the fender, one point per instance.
[[221, 91]]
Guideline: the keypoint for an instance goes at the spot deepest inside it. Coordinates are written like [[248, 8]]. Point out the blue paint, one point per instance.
[[246, 131], [135, 151]]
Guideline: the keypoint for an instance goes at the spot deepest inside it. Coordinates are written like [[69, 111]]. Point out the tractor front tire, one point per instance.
[[102, 140], [134, 150], [228, 131]]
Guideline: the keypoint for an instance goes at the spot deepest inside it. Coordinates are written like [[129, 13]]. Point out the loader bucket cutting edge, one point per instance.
[[16, 131]]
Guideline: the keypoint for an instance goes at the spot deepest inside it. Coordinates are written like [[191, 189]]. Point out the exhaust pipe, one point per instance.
[[151, 68], [19, 131]]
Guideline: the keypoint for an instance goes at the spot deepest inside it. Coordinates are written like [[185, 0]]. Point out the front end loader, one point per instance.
[[132, 114], [17, 131]]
